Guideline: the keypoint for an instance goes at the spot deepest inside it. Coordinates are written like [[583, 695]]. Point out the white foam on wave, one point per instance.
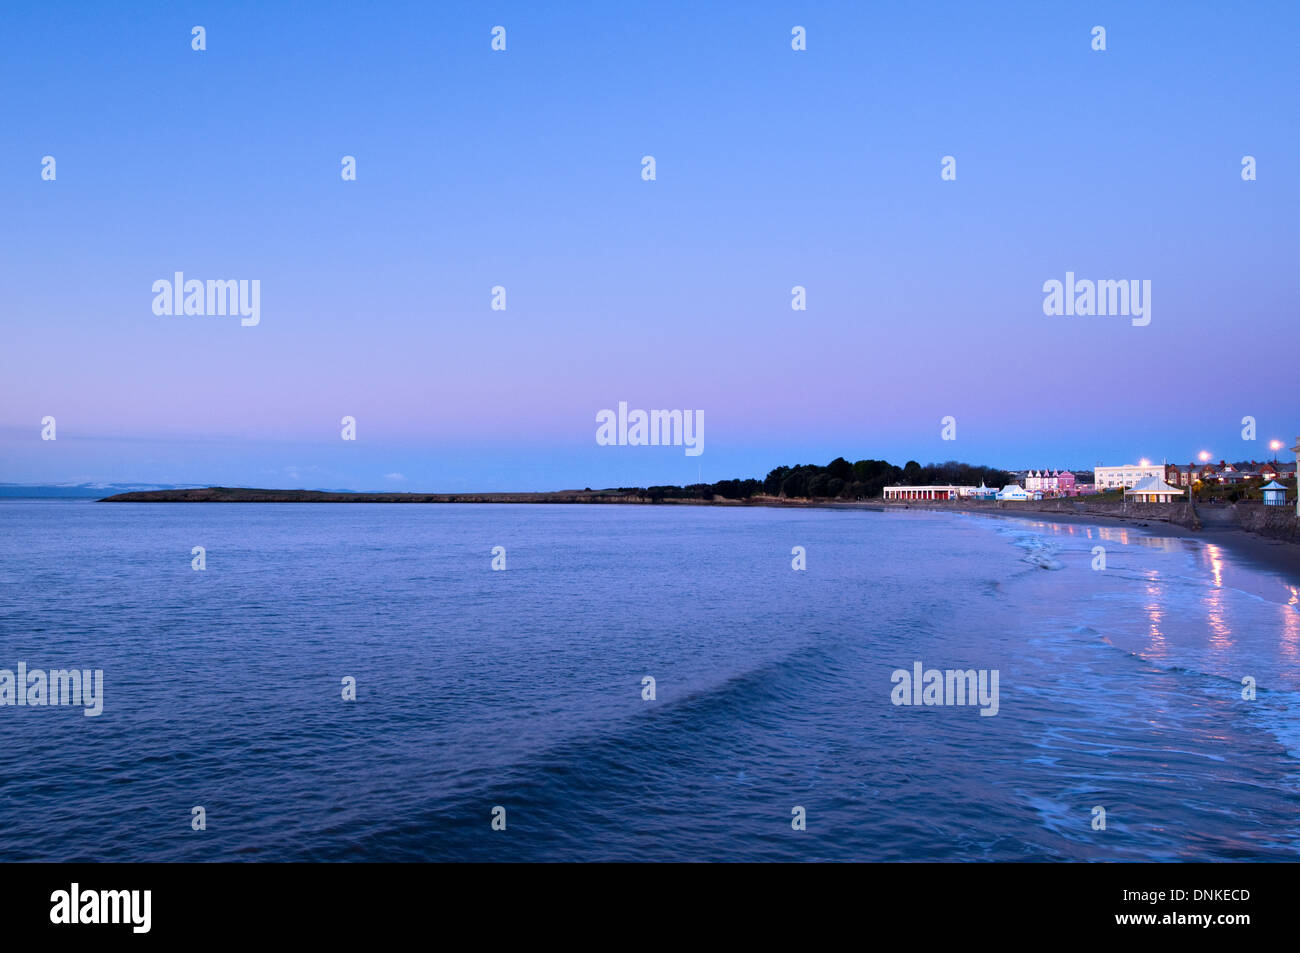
[[1206, 629], [1039, 550]]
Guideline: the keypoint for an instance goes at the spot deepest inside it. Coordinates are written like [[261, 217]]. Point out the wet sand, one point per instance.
[[1274, 555]]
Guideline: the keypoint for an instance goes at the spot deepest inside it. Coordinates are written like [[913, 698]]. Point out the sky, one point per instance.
[[522, 168]]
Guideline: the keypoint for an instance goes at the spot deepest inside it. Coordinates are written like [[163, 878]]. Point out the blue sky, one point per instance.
[[775, 168]]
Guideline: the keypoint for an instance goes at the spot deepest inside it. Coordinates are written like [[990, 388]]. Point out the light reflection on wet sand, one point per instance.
[[1156, 647], [1220, 576]]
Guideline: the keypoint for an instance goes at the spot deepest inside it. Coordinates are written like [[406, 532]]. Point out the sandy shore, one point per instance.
[[1274, 555]]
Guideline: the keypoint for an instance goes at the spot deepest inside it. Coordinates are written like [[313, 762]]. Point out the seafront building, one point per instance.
[[1152, 489], [1127, 475], [1053, 483], [1225, 473], [1141, 482], [1041, 482], [949, 492], [1184, 474]]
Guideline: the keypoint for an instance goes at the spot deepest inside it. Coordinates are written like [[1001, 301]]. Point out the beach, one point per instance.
[[1277, 555]]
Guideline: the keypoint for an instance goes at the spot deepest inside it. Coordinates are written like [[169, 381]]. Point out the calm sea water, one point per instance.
[[523, 689]]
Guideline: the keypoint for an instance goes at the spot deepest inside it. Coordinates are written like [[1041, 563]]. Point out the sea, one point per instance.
[[359, 683]]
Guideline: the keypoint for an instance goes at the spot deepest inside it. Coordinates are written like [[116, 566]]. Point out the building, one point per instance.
[[1183, 475], [1012, 492], [1225, 473], [928, 492], [1222, 472], [1152, 490], [983, 492], [1110, 478], [1050, 482], [1275, 494], [1044, 482]]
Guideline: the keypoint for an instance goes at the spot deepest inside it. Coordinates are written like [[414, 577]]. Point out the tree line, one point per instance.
[[838, 479]]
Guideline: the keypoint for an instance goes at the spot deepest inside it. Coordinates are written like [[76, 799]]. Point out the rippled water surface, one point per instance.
[[1118, 688]]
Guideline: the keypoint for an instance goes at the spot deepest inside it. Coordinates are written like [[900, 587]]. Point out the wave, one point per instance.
[[1039, 550]]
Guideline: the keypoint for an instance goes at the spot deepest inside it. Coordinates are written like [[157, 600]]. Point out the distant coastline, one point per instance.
[[783, 486], [240, 494]]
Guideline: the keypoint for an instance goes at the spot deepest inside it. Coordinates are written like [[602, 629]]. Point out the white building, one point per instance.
[[1012, 492], [1152, 490], [1128, 475], [928, 492], [1043, 482]]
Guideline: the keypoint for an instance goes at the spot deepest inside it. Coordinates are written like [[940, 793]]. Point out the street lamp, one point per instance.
[[1275, 445], [1205, 458]]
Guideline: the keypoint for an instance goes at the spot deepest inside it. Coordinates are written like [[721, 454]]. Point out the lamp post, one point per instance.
[[1205, 458]]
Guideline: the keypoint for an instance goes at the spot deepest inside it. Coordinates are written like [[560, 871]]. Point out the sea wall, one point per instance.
[[1277, 522], [1180, 514]]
